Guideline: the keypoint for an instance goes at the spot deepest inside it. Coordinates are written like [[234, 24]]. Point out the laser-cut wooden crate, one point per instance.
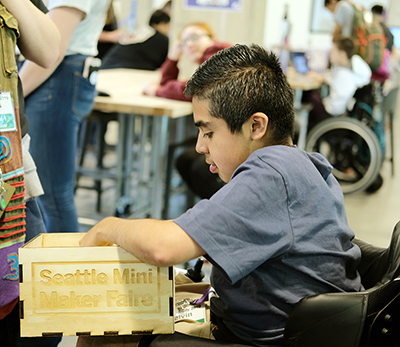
[[70, 290]]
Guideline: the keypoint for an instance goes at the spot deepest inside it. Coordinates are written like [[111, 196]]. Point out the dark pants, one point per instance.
[[182, 340], [222, 335], [10, 334]]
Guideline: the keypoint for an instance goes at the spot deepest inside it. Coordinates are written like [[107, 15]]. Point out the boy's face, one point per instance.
[[223, 151]]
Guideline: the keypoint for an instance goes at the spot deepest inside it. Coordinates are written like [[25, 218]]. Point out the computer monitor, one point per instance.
[[396, 34], [300, 62]]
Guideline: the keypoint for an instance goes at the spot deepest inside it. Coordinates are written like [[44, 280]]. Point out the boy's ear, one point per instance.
[[259, 125]]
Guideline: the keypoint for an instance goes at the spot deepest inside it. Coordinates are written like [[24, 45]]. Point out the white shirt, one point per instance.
[[86, 35], [344, 83]]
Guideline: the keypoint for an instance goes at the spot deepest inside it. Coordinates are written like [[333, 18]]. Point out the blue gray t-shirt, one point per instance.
[[277, 232]]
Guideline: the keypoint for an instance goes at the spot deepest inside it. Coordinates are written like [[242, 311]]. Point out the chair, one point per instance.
[[388, 107], [367, 318], [100, 119]]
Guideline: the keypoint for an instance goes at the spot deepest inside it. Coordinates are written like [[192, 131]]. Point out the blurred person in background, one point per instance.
[[57, 100], [348, 73], [144, 49]]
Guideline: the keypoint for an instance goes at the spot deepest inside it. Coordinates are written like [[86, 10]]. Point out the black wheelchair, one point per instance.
[[370, 318], [353, 143]]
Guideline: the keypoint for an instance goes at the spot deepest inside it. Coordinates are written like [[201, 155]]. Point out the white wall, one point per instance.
[[144, 9], [394, 13], [260, 21], [300, 17]]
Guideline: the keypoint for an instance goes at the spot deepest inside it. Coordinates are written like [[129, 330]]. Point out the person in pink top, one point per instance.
[[196, 42]]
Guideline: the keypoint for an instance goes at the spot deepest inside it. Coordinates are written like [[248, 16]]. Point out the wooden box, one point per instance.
[[70, 290]]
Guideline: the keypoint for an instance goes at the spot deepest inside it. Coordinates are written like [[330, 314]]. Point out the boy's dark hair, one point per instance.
[[242, 80], [345, 44], [327, 2], [377, 9], [158, 17]]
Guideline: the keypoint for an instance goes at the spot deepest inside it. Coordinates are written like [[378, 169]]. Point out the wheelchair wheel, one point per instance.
[[351, 147]]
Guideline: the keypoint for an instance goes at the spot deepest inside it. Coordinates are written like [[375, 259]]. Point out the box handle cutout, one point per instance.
[[21, 277], [21, 309], [55, 334]]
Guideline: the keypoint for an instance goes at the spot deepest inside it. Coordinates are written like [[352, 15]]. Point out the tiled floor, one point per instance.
[[373, 217]]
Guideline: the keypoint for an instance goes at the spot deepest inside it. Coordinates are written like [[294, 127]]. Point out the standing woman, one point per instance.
[[57, 100]]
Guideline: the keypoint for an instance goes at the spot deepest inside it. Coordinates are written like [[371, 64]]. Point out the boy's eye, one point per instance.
[[209, 134]]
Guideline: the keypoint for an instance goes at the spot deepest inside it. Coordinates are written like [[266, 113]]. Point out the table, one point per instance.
[[125, 89], [299, 84]]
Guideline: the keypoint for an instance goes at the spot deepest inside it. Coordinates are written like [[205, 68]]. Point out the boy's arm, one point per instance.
[[66, 19], [39, 38], [156, 242]]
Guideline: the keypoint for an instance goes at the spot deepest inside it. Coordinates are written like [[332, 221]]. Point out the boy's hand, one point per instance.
[[99, 234]]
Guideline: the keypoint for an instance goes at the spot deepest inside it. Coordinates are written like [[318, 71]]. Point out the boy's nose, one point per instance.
[[200, 146]]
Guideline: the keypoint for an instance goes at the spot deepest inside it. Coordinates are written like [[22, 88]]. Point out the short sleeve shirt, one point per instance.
[[277, 232], [344, 14], [85, 37]]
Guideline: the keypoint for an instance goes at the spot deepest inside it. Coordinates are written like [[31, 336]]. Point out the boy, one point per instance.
[[277, 231]]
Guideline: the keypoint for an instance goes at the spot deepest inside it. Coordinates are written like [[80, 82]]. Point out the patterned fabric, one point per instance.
[[9, 273], [12, 221]]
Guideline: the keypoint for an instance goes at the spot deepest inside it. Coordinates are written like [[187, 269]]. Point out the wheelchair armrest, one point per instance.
[[333, 319]]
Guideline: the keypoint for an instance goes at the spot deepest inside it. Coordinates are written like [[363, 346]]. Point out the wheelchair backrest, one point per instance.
[[368, 318]]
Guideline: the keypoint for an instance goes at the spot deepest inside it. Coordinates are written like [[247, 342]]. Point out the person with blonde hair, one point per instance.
[[197, 42]]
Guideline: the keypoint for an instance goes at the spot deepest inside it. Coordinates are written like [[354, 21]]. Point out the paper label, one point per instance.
[[7, 114]]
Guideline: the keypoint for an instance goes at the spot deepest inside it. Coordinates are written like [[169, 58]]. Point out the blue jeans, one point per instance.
[[34, 220], [55, 111]]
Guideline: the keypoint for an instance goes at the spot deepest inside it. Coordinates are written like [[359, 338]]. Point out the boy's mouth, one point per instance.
[[213, 168]]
